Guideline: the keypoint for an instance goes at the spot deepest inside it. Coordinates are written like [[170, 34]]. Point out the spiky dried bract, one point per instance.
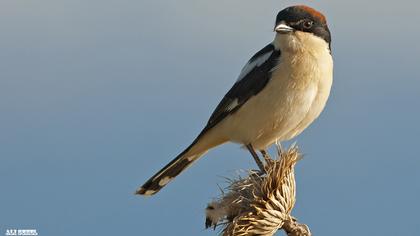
[[258, 204]]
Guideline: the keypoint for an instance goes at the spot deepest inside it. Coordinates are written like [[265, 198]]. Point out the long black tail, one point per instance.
[[206, 140], [169, 172]]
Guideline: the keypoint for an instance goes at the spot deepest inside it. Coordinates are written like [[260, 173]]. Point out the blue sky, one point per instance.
[[95, 96]]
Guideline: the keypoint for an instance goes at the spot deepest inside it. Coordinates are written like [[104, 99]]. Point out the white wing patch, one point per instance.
[[251, 65], [232, 105]]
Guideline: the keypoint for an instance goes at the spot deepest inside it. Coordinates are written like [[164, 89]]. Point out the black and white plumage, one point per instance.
[[253, 78], [280, 91]]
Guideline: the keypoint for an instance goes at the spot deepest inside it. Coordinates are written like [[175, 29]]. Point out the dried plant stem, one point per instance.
[[260, 204]]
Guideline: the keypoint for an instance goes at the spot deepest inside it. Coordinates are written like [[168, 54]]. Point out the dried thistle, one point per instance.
[[260, 204]]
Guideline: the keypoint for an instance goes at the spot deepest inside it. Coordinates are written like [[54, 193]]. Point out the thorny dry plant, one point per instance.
[[260, 204]]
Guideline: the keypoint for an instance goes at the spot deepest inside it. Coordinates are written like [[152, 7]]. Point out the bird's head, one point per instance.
[[302, 20]]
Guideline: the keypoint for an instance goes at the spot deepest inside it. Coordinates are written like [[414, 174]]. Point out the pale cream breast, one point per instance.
[[316, 55], [292, 99]]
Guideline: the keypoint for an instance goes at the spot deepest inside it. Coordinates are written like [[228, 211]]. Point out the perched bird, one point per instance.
[[281, 90]]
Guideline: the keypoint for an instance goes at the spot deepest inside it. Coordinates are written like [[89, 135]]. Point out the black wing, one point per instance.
[[253, 78]]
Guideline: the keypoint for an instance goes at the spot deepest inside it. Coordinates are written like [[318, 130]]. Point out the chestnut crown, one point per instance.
[[306, 19]]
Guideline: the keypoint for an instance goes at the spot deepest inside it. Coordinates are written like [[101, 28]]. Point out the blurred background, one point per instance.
[[96, 96]]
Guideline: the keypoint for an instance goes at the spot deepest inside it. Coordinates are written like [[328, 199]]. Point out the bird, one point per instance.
[[279, 92]]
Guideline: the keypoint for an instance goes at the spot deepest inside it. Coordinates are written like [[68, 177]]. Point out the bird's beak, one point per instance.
[[283, 28]]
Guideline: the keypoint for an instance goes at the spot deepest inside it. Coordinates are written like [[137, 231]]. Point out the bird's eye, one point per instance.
[[307, 24]]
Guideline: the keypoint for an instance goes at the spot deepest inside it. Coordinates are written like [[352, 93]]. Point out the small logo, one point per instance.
[[20, 232]]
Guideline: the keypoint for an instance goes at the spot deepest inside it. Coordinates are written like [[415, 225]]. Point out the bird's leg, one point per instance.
[[266, 156], [256, 157]]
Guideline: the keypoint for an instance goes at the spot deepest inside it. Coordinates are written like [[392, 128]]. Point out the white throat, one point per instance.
[[300, 41]]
